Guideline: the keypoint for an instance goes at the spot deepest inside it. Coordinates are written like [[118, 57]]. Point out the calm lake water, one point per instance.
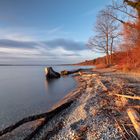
[[24, 91]]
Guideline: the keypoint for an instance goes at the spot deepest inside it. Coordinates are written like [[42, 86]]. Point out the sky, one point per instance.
[[47, 31]]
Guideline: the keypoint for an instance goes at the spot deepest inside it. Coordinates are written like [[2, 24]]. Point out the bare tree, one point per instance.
[[106, 33], [126, 12], [134, 4], [131, 30], [123, 8]]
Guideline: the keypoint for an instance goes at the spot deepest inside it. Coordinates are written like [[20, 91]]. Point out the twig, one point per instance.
[[120, 129], [126, 130], [134, 135]]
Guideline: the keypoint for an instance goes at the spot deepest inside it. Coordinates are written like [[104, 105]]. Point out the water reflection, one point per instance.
[[49, 83], [57, 87], [23, 91]]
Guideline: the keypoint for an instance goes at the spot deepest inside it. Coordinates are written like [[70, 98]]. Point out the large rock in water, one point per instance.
[[51, 74]]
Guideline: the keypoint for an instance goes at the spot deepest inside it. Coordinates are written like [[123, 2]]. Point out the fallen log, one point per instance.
[[66, 72], [50, 73], [46, 115], [30, 136], [53, 131], [135, 119]]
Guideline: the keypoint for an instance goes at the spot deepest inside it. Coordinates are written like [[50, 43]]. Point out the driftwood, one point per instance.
[[47, 116], [135, 106], [54, 131], [50, 73], [135, 119], [30, 136], [65, 72], [128, 96], [101, 83], [120, 128]]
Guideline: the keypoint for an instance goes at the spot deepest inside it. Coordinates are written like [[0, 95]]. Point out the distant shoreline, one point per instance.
[[45, 65], [34, 64]]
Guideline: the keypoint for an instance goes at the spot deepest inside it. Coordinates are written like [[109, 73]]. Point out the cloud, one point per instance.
[[52, 44], [32, 33], [16, 44], [54, 30], [66, 43], [52, 51]]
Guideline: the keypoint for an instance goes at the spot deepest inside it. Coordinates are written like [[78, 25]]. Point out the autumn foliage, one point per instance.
[[117, 38], [131, 46]]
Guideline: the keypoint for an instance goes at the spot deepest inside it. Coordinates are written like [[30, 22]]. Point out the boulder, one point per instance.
[[51, 74]]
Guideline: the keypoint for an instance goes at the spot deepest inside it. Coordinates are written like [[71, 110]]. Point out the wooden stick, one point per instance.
[[134, 135], [135, 106], [128, 96], [126, 130], [101, 83], [135, 119], [120, 128]]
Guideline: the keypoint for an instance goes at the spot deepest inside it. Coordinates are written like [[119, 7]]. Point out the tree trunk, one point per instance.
[[50, 73], [111, 51], [107, 50], [65, 72], [107, 58]]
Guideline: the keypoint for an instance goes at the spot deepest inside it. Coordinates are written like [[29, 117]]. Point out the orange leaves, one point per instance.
[[131, 45]]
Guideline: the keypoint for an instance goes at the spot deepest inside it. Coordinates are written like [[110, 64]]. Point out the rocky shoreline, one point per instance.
[[97, 113]]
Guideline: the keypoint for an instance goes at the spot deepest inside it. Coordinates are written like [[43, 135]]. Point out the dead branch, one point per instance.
[[30, 136], [128, 96], [135, 119], [135, 106], [65, 72], [126, 130], [46, 115], [53, 131], [120, 128], [101, 83], [134, 135]]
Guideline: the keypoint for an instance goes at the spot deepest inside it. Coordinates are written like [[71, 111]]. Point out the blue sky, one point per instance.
[[47, 31]]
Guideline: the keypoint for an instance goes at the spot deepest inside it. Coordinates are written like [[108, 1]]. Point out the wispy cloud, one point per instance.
[[58, 50], [54, 30], [22, 44], [32, 33]]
